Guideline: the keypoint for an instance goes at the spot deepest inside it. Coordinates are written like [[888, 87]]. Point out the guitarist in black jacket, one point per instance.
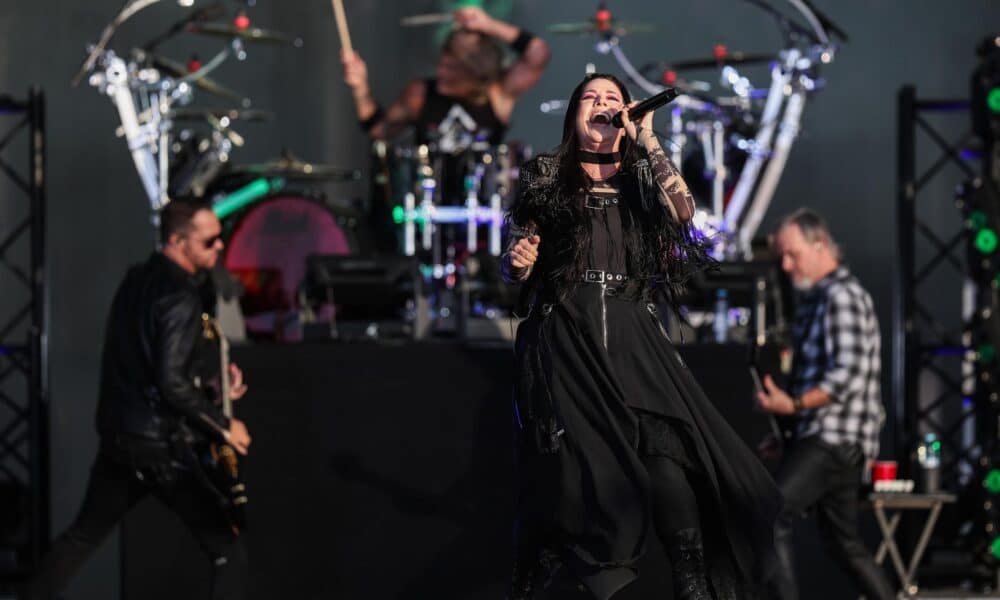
[[156, 409]]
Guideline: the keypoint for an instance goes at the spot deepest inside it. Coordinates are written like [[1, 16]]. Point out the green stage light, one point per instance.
[[992, 481], [987, 353], [993, 99], [399, 216], [978, 220], [986, 241], [995, 547]]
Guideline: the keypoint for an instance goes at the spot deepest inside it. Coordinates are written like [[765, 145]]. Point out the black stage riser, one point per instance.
[[386, 472]]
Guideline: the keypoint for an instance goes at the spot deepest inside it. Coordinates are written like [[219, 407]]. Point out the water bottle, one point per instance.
[[720, 324], [929, 458]]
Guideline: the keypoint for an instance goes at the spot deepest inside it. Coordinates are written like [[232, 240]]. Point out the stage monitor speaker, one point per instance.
[[369, 296]]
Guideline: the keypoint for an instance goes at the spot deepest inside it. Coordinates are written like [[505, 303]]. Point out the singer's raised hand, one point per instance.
[[674, 192], [645, 126]]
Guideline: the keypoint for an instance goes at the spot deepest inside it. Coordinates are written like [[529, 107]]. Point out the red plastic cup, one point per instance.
[[884, 470]]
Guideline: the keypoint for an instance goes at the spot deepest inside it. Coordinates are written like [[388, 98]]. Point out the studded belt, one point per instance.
[[599, 202], [598, 276]]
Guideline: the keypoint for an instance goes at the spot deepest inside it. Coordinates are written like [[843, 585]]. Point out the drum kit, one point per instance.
[[274, 213], [444, 200]]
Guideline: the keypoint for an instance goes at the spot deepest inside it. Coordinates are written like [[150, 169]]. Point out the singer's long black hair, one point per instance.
[[658, 249]]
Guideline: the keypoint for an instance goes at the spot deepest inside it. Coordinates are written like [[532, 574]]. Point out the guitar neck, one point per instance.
[[227, 402]]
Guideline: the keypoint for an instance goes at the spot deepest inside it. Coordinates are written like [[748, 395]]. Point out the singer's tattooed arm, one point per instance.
[[674, 193]]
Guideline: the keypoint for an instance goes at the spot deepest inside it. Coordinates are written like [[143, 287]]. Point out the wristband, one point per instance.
[[372, 121], [520, 43], [798, 404]]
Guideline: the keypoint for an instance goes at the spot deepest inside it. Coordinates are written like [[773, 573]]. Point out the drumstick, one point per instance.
[[345, 35], [428, 19]]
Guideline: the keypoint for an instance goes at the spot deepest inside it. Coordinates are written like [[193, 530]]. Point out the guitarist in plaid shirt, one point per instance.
[[835, 401]]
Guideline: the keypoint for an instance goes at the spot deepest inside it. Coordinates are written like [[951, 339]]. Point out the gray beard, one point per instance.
[[803, 285]]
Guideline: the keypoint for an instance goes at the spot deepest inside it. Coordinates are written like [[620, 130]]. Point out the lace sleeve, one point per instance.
[[515, 233], [673, 191], [534, 186]]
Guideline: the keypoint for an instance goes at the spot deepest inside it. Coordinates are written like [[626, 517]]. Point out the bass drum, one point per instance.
[[267, 250]]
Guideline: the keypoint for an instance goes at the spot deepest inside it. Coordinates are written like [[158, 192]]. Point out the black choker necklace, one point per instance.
[[601, 158]]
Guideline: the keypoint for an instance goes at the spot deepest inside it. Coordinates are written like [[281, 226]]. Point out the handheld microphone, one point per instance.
[[651, 103]]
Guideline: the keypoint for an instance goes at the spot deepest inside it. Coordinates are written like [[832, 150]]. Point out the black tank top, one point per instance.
[[437, 107], [602, 206]]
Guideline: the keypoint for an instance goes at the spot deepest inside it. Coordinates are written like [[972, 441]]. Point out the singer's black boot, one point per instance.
[[521, 584], [687, 556]]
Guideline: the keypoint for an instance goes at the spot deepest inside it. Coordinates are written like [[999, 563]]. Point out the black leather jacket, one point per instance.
[[155, 359]]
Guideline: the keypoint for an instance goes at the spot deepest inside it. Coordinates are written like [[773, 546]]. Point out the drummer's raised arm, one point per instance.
[[533, 52], [528, 69], [377, 122]]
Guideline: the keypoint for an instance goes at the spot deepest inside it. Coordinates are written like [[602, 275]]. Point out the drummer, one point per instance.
[[470, 75]]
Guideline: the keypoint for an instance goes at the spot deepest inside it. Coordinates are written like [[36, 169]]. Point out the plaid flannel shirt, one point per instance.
[[837, 348]]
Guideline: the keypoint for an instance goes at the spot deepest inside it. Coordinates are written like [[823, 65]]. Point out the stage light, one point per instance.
[[995, 548], [420, 216], [986, 240], [978, 220], [986, 352], [992, 481], [993, 99]]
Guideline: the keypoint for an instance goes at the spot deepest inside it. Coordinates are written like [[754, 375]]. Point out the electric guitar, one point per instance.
[[226, 474]]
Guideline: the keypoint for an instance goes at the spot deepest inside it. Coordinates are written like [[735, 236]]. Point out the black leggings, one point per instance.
[[675, 506]]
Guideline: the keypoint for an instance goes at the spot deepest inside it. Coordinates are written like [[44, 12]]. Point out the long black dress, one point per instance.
[[599, 386]]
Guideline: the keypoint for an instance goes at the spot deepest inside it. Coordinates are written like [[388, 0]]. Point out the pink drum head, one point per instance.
[[268, 248]]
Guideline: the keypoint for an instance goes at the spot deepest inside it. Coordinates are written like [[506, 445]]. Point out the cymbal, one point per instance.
[[176, 69], [618, 28], [732, 58], [295, 169], [233, 114], [253, 34]]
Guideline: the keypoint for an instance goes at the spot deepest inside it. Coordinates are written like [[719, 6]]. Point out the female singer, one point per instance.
[[615, 430]]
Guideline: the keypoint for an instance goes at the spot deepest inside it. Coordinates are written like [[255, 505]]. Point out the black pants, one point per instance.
[[675, 506], [814, 474], [112, 491]]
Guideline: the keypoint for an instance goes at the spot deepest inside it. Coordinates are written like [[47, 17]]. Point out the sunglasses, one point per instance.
[[210, 242]]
